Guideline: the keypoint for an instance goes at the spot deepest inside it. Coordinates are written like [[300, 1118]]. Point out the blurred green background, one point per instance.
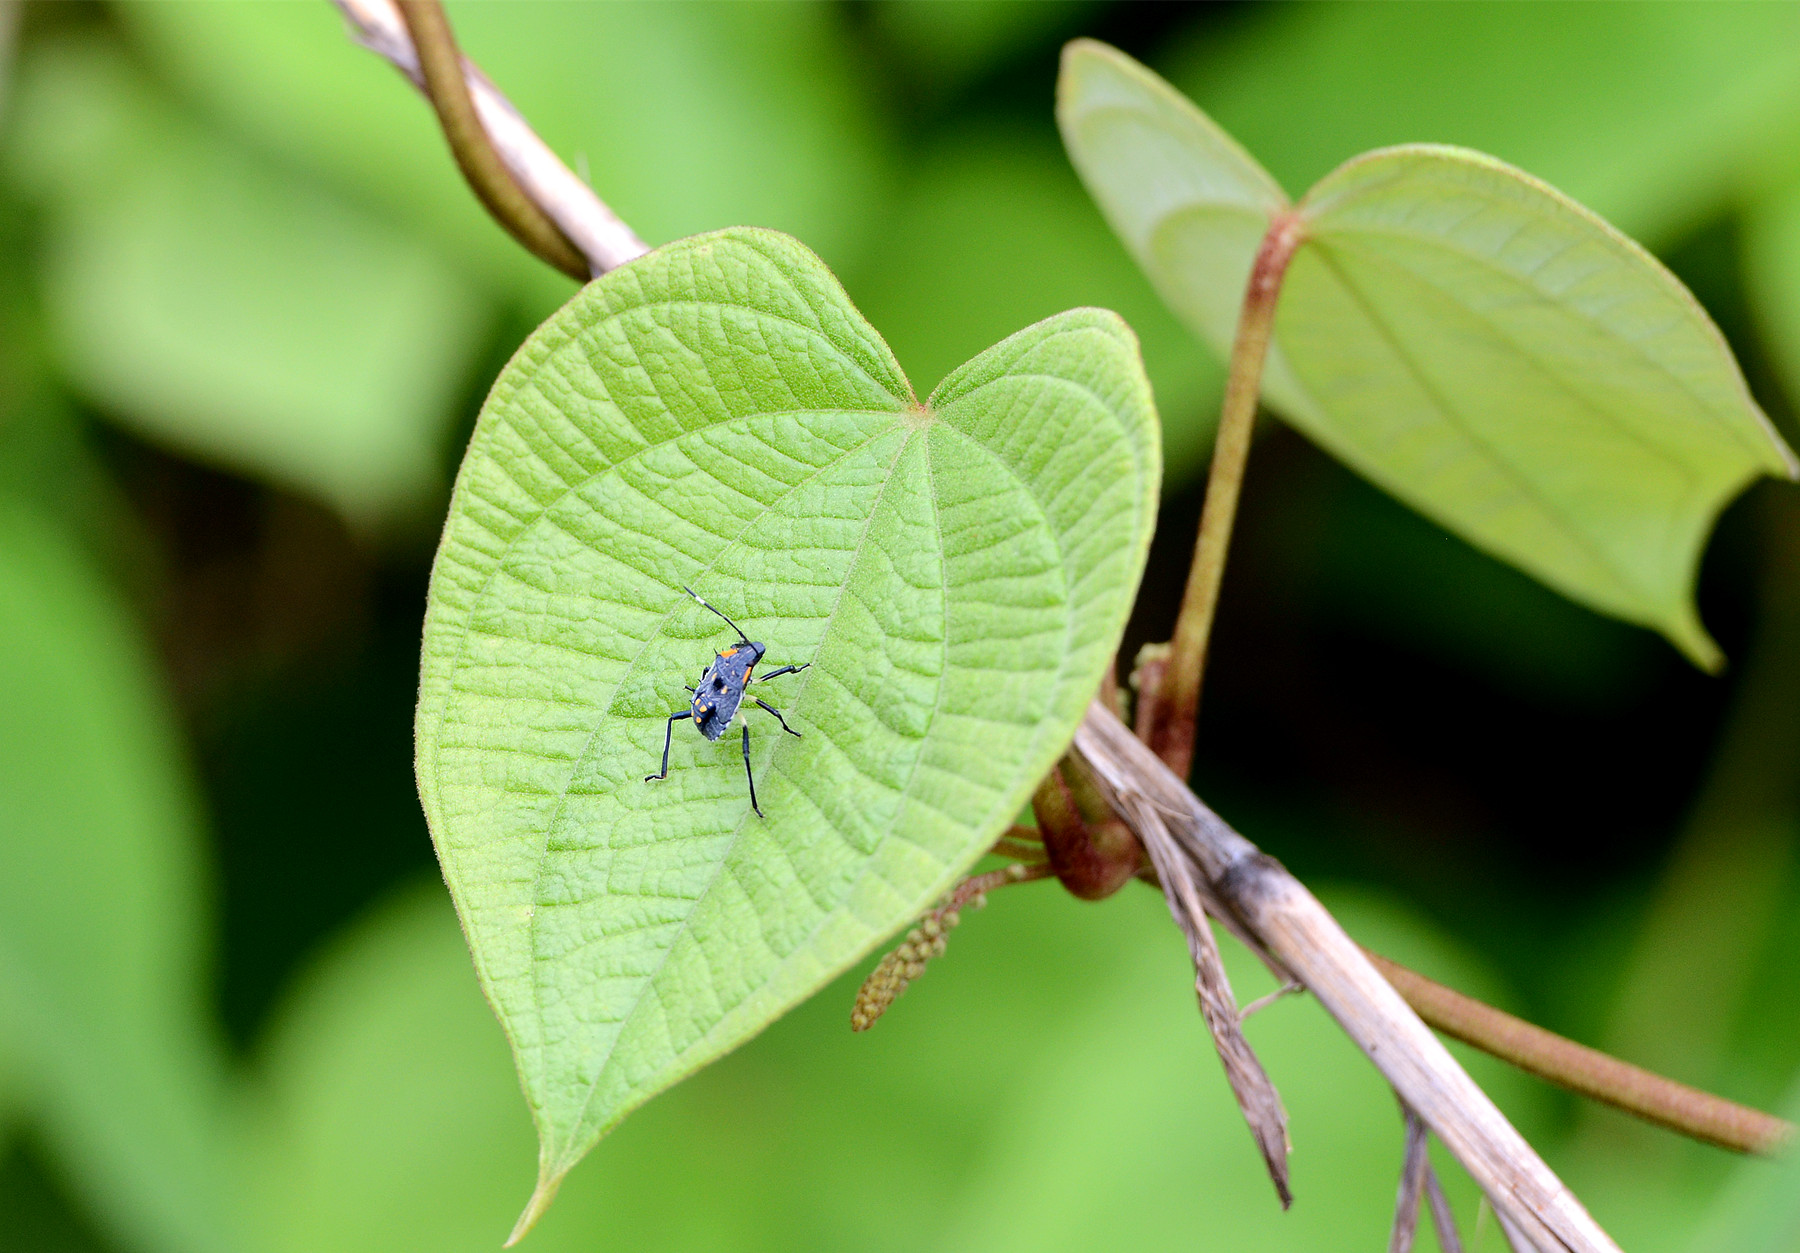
[[247, 313]]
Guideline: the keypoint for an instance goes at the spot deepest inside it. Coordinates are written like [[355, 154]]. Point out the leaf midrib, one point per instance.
[[649, 979], [1026, 489], [499, 561], [1758, 454], [1523, 483]]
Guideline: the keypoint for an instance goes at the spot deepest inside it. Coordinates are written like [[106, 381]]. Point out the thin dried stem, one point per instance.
[[1250, 1083], [1443, 1221], [1693, 1113], [1414, 1164], [1263, 1002], [604, 240], [1177, 699]]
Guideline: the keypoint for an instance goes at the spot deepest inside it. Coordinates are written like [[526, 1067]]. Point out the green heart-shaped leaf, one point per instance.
[[717, 414], [1460, 333]]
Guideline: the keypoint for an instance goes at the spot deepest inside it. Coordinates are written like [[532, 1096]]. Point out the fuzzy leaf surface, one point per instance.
[[1461, 334], [717, 414]]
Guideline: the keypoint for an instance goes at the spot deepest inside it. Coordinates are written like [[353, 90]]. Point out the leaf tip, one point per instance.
[[1083, 54], [1084, 46], [549, 1180], [1695, 644], [1789, 464]]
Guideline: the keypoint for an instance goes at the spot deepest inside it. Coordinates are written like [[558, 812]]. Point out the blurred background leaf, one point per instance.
[[688, 117], [1759, 1211], [283, 79], [946, 46], [228, 311], [102, 934]]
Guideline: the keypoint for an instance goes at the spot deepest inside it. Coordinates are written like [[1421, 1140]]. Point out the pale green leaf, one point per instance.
[[214, 304], [1186, 200], [717, 414], [1505, 362], [1461, 334], [101, 1000]]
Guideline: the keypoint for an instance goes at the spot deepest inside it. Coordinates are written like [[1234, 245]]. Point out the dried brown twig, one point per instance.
[[1267, 902], [1419, 1181], [1415, 1161], [1250, 1083]]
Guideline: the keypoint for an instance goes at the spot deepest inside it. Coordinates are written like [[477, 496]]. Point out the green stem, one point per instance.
[[1173, 736], [493, 184]]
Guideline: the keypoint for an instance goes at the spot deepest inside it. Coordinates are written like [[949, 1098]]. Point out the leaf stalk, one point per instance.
[[1177, 699]]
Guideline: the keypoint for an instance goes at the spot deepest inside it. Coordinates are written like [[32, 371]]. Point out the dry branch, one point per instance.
[[1449, 1240], [1272, 905]]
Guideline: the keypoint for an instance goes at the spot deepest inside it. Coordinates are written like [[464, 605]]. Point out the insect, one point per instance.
[[721, 693]]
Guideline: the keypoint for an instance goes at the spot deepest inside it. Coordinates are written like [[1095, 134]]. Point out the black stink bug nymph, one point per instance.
[[716, 701]]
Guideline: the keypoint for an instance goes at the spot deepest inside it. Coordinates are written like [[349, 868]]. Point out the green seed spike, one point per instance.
[[907, 962]]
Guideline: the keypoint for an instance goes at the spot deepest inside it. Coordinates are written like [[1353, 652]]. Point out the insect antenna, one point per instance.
[[728, 622]]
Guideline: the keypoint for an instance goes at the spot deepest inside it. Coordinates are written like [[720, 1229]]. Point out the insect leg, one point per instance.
[[747, 774], [776, 674], [768, 708], [668, 738]]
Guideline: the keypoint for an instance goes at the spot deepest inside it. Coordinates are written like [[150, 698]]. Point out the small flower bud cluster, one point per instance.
[[906, 963]]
